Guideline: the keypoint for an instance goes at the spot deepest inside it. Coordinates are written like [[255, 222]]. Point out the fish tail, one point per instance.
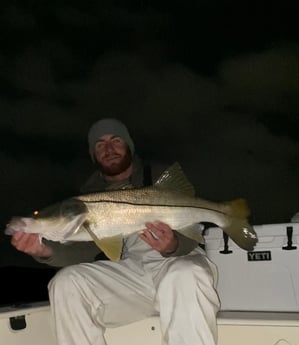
[[238, 229], [238, 208], [242, 233]]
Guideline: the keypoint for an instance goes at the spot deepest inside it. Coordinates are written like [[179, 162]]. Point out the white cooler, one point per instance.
[[266, 279]]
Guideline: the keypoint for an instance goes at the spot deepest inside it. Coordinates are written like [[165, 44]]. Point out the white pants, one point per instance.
[[87, 298]]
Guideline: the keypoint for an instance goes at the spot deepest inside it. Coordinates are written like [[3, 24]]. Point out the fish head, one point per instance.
[[63, 211], [55, 222]]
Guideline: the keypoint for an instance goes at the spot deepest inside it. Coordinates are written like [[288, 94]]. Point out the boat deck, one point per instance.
[[31, 325]]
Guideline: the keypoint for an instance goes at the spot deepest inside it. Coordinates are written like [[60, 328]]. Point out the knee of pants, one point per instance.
[[183, 272], [62, 280]]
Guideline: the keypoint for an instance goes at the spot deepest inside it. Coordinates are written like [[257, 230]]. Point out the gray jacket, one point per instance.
[[78, 252]]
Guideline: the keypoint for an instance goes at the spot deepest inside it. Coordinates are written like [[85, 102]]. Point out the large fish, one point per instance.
[[107, 217]]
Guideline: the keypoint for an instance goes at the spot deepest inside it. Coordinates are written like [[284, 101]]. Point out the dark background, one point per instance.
[[211, 85]]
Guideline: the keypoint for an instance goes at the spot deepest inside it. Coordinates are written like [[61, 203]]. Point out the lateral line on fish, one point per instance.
[[153, 205]]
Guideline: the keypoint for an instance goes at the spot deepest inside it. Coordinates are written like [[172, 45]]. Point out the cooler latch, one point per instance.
[[225, 250], [290, 241]]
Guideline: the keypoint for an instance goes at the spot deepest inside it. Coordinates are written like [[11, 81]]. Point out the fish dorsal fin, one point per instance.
[[110, 246], [174, 178], [193, 231]]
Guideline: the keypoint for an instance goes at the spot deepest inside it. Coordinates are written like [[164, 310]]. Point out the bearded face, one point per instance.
[[116, 165], [113, 155]]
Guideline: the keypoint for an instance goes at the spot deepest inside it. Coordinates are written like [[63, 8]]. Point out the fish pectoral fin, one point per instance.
[[193, 231], [74, 224]]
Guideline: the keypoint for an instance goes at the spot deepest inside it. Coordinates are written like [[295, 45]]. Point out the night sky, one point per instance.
[[212, 86]]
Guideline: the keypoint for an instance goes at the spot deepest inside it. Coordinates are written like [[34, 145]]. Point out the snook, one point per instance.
[[108, 217]]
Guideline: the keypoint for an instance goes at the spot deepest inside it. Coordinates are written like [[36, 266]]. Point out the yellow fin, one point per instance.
[[110, 246], [239, 230], [242, 233], [238, 208]]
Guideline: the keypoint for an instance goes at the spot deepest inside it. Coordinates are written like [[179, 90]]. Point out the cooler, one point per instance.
[[266, 279]]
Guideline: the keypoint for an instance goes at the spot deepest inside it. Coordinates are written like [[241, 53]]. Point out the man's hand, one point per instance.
[[30, 244], [160, 237]]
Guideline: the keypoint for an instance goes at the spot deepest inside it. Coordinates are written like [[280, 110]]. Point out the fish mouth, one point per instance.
[[55, 229], [15, 224]]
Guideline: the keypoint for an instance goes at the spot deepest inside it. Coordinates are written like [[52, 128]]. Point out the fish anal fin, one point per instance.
[[194, 232], [174, 178], [110, 246]]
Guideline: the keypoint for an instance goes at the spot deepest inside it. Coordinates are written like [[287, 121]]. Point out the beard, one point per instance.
[[116, 168]]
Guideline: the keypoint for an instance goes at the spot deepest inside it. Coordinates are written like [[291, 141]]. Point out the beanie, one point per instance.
[[108, 126]]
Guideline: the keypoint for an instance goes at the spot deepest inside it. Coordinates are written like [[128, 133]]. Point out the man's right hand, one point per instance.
[[30, 244]]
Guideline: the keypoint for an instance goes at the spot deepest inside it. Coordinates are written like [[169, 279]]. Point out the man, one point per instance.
[[161, 272]]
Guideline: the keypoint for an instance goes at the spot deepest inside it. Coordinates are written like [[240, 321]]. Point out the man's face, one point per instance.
[[113, 154]]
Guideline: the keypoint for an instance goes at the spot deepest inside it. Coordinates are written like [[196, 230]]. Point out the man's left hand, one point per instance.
[[160, 237]]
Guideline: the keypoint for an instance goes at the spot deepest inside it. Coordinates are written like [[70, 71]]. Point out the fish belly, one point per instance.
[[115, 219]]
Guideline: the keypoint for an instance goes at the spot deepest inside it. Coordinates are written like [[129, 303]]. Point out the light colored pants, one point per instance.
[[87, 298]]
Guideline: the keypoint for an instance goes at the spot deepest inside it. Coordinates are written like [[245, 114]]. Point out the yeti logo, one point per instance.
[[259, 256]]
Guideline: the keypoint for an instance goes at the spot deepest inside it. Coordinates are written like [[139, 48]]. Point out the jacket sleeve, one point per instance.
[[70, 254], [185, 245]]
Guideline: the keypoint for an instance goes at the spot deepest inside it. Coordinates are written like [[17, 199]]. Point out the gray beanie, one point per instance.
[[108, 126]]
